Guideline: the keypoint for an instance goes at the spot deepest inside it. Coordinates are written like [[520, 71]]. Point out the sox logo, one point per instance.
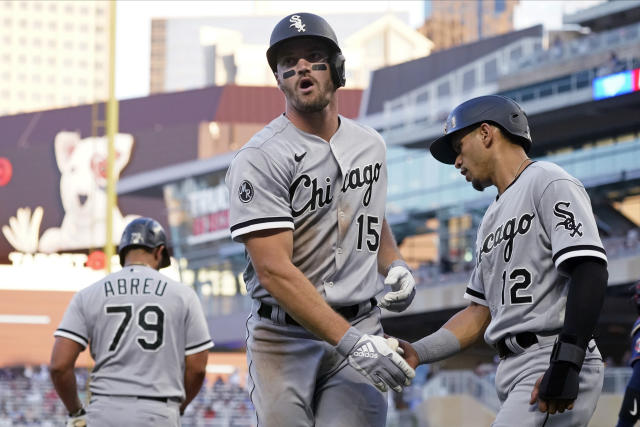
[[568, 219], [297, 23]]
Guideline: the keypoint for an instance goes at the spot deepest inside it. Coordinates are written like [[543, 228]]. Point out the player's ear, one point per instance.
[[487, 133], [157, 255]]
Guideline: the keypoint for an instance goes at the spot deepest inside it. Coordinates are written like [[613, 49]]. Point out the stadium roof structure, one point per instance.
[[394, 81], [606, 15]]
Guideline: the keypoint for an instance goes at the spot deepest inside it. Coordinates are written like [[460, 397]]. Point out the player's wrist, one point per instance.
[[565, 352], [348, 341], [78, 412], [437, 346], [397, 263]]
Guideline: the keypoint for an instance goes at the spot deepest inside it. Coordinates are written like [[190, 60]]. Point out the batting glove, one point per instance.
[[78, 418], [372, 357], [403, 287], [561, 379]]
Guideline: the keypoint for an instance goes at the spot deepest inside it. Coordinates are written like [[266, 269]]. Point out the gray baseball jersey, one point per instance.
[[139, 325], [541, 220], [332, 195]]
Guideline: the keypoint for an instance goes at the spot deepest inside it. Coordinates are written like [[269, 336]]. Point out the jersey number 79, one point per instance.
[[144, 322]]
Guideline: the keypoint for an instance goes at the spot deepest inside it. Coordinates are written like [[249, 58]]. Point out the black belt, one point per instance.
[[349, 312], [157, 399], [524, 339]]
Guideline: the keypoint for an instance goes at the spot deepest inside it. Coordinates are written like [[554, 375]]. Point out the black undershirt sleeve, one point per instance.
[[587, 286]]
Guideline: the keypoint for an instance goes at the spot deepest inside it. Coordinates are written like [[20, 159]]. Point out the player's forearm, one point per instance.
[[464, 328], [301, 300], [468, 325], [388, 250], [64, 381], [192, 384], [587, 287]]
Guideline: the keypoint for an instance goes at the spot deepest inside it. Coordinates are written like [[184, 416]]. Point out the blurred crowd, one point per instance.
[[28, 399]]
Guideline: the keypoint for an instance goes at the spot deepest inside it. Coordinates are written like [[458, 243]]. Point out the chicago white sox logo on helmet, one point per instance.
[[297, 22]]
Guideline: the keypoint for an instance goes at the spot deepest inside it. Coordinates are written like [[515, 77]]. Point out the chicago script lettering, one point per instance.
[[506, 232]]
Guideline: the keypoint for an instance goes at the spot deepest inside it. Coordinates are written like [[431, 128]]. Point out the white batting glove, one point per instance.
[[77, 419], [372, 357], [403, 287]]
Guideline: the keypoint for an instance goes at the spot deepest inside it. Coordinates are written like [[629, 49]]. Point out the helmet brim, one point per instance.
[[442, 151]]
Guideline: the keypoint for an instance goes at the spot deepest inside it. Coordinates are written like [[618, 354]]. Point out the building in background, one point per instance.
[[52, 54], [190, 53], [455, 22]]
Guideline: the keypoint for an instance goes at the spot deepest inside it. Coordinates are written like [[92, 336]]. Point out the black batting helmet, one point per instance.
[[145, 232], [300, 25], [496, 109]]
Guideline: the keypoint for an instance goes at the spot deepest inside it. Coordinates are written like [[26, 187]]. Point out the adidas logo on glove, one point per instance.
[[366, 350]]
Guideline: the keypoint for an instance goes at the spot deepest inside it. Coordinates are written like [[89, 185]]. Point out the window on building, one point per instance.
[[516, 53], [491, 70], [499, 6], [444, 89], [422, 97], [469, 80]]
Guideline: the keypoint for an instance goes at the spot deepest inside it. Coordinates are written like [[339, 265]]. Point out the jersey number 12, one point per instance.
[[516, 297]]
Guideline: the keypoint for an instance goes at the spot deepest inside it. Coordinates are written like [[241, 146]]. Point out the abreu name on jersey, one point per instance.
[[134, 286]]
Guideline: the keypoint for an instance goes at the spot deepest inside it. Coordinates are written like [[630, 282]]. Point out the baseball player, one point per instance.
[[540, 272], [629, 410], [147, 334], [307, 199]]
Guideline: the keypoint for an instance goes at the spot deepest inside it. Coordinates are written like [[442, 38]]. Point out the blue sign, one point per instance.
[[613, 85]]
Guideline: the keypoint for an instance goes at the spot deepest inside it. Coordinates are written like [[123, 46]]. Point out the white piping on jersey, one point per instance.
[[199, 348], [476, 299], [261, 226], [73, 337], [579, 253]]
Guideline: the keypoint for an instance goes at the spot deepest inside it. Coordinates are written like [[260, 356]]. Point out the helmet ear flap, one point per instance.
[[336, 64]]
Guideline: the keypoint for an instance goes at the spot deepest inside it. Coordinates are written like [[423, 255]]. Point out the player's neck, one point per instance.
[[322, 123], [511, 166]]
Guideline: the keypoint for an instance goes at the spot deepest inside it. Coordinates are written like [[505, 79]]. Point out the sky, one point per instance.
[[133, 22]]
